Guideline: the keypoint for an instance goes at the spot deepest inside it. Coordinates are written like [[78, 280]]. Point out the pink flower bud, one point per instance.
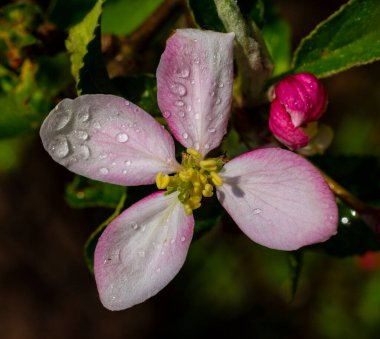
[[299, 100]]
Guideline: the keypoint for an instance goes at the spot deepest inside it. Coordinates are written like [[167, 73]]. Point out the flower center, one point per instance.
[[195, 180]]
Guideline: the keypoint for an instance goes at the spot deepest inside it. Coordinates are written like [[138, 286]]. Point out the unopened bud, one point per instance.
[[299, 100]]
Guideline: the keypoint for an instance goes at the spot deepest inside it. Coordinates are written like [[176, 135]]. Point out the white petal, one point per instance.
[[278, 199], [142, 250], [107, 138]]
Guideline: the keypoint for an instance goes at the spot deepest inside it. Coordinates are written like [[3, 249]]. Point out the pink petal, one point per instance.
[[283, 128], [194, 84], [107, 138], [278, 199], [142, 250]]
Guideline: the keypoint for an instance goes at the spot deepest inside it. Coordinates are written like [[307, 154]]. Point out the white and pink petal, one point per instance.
[[107, 138], [194, 85], [142, 250], [278, 199]]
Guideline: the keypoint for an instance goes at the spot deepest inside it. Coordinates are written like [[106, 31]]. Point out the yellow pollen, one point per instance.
[[216, 179], [162, 181], [193, 153], [195, 180]]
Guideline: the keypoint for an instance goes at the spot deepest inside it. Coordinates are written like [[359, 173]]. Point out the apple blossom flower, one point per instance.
[[276, 197], [299, 101]]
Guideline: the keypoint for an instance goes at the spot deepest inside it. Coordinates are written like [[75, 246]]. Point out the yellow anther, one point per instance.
[[208, 191], [162, 181], [203, 179], [188, 209], [193, 153], [197, 190], [209, 165], [186, 175], [216, 179], [195, 202]]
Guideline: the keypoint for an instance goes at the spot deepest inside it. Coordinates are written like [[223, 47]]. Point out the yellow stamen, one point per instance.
[[208, 191], [216, 179], [162, 181], [209, 165], [186, 175], [193, 153]]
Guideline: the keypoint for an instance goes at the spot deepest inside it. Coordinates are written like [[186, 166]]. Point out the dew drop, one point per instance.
[[211, 130], [83, 116], [183, 239], [196, 145], [256, 211], [188, 108], [84, 152], [135, 226], [104, 170], [122, 137], [126, 103], [137, 109], [212, 93], [61, 119], [158, 269], [59, 147], [218, 101], [125, 172], [185, 135], [207, 146], [221, 84], [97, 125], [102, 156], [196, 60], [81, 135], [192, 82], [181, 114], [166, 114], [178, 89], [179, 103], [183, 73], [197, 116], [141, 253], [128, 162], [172, 241]]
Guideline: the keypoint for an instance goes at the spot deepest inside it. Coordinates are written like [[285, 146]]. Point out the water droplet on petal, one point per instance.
[[135, 226], [221, 84], [81, 135], [192, 82], [211, 130], [188, 108], [83, 116], [158, 269], [197, 116], [128, 162], [185, 135], [207, 146], [125, 171], [59, 147], [166, 114], [141, 253], [256, 211], [183, 73], [196, 145], [84, 152], [181, 114], [104, 170], [183, 239], [179, 103], [122, 137], [212, 93], [126, 103], [218, 101], [172, 241], [97, 125], [178, 89], [60, 119]]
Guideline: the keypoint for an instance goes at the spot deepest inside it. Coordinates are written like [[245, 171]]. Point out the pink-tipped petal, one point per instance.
[[107, 138], [278, 199], [194, 86], [142, 250], [283, 128]]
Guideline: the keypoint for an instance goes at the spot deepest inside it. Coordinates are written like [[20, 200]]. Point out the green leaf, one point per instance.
[[117, 20], [87, 64], [348, 38], [83, 192], [206, 15], [354, 237], [90, 245]]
